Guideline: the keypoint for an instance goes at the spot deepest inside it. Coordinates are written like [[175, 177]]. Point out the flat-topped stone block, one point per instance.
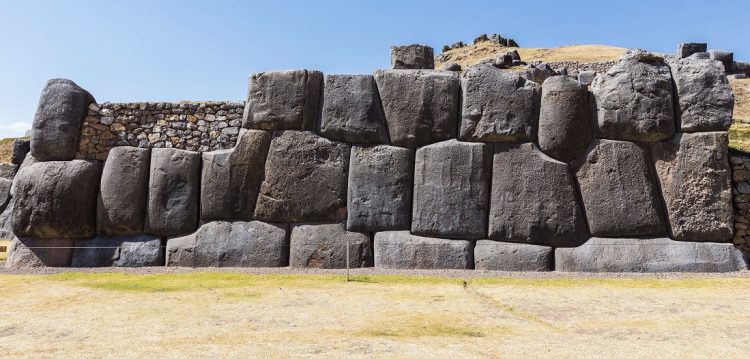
[[512, 257], [412, 57], [119, 251], [689, 48], [352, 111], [123, 191], [173, 193], [324, 246], [402, 250], [36, 252], [283, 100], [705, 99]]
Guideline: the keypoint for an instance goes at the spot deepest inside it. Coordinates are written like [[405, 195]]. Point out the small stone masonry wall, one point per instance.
[[405, 168], [741, 190]]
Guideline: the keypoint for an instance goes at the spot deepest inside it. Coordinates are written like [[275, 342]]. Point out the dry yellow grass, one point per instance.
[[282, 316]]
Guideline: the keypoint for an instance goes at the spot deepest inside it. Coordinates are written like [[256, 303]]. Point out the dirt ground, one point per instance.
[[158, 312]]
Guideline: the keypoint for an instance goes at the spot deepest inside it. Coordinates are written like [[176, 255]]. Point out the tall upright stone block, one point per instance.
[[231, 179], [696, 183], [705, 100], [412, 57], [352, 111], [420, 106], [451, 190], [324, 246], [380, 188], [564, 119], [173, 192], [123, 193], [283, 100]]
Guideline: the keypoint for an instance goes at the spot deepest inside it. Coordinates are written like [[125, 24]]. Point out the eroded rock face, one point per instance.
[[498, 106], [412, 57], [451, 188], [57, 123], [305, 179], [696, 184], [705, 98], [56, 200], [123, 194], [173, 192], [534, 199], [36, 252], [230, 179], [564, 119], [619, 190], [20, 148], [380, 188], [635, 100], [231, 244], [402, 250], [420, 106], [512, 257], [324, 246], [283, 100], [352, 111], [119, 251]]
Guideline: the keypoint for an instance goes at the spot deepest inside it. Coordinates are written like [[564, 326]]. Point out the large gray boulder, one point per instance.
[[534, 199], [420, 106], [57, 124], [619, 190], [21, 147], [37, 252], [512, 257], [635, 100], [5, 195], [231, 179], [121, 206], [564, 118], [56, 199], [8, 171], [498, 106], [352, 111], [324, 246], [231, 244], [305, 179], [451, 190], [283, 100], [173, 192], [380, 188], [696, 184], [649, 255], [120, 251], [705, 98], [402, 250], [412, 57]]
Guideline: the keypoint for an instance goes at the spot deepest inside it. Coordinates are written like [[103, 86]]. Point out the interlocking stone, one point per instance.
[[121, 206], [352, 111], [402, 250], [512, 257], [283, 100], [705, 98], [173, 192], [36, 252], [324, 246], [564, 119], [412, 57], [121, 251]]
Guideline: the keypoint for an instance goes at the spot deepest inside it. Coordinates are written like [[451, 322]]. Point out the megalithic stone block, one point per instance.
[[20, 148], [696, 183], [412, 57], [119, 251], [231, 244], [324, 246], [40, 252], [564, 119], [305, 179], [635, 99], [420, 106], [498, 106], [512, 257], [380, 188], [687, 49], [231, 178], [123, 194], [57, 124], [705, 100], [619, 191], [402, 250], [283, 100], [56, 200], [534, 199], [725, 57], [451, 190], [352, 111], [173, 192]]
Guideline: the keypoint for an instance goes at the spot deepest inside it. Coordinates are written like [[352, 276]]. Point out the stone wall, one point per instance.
[[741, 189], [575, 67]]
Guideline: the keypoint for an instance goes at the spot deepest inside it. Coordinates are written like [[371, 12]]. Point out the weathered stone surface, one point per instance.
[[231, 244], [5, 185], [619, 191], [57, 123], [401, 250], [498, 106], [122, 251], [451, 190], [305, 179], [513, 257], [649, 255], [173, 192], [20, 148], [725, 57], [8, 171], [534, 199], [121, 206], [586, 78], [420, 106], [412, 57], [283, 100], [564, 118], [634, 99], [352, 111], [380, 188], [704, 97], [686, 49], [6, 222], [56, 199], [28, 161], [231, 178], [696, 184], [324, 246], [451, 66], [36, 252]]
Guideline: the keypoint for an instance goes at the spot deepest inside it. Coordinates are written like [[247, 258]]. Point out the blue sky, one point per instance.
[[204, 50]]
